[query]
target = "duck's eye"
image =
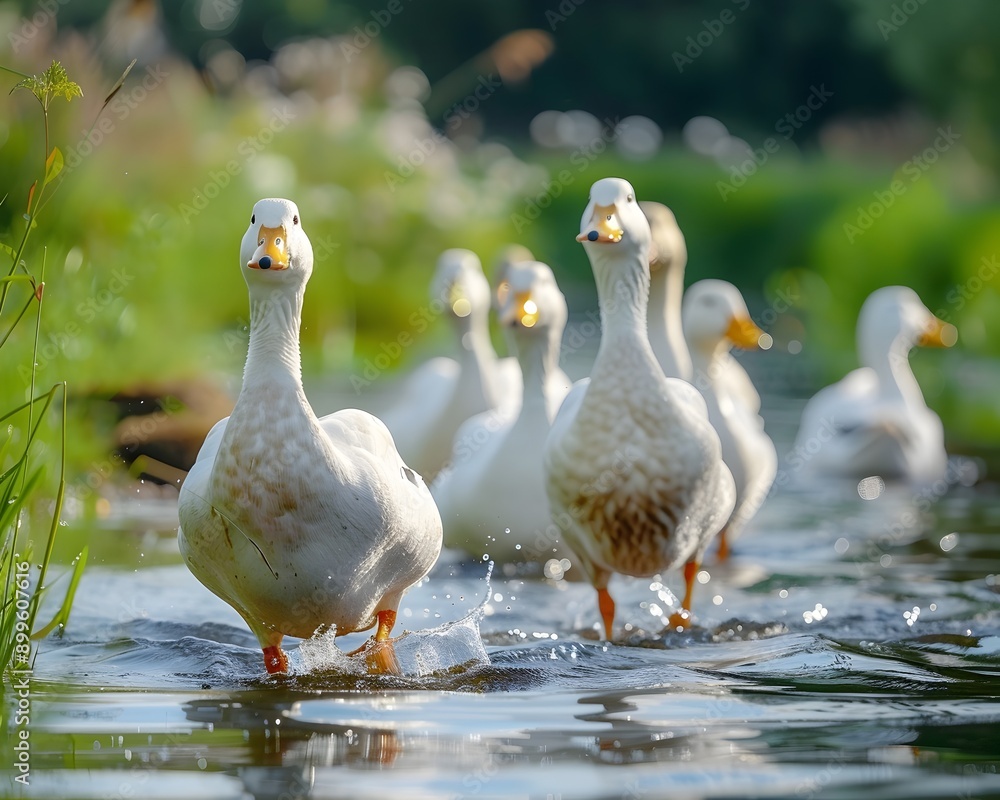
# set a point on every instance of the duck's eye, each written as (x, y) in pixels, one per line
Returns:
(260, 241)
(630, 198)
(609, 218)
(295, 220)
(277, 241)
(253, 218)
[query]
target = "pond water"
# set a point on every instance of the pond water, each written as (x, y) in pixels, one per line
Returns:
(850, 648)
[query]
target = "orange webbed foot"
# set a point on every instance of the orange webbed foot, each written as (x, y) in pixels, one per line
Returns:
(379, 652)
(681, 620)
(722, 554)
(380, 657)
(275, 660)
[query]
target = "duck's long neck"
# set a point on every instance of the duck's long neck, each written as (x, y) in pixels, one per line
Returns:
(666, 335)
(539, 358)
(273, 357)
(892, 367)
(623, 295)
(706, 360)
(477, 357)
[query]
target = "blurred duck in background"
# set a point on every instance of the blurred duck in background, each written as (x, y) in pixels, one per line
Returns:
(507, 257)
(633, 466)
(444, 392)
(874, 421)
(715, 318)
(668, 257)
(492, 494)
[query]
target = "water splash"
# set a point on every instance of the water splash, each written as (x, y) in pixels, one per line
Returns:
(457, 644)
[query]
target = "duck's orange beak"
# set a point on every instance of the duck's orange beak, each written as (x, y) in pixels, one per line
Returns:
(742, 332)
(272, 249)
(602, 227)
(522, 311)
(938, 334)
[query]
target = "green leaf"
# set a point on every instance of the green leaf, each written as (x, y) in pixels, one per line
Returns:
(53, 165)
(118, 84)
(54, 82)
(6, 248)
(62, 616)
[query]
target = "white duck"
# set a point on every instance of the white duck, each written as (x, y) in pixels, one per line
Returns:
(715, 318)
(442, 393)
(874, 421)
(492, 494)
(301, 523)
(668, 257)
(633, 466)
(508, 256)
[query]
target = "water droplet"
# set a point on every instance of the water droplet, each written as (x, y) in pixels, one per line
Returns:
(841, 546)
(949, 542)
(704, 577)
(783, 594)
(506, 530)
(885, 560)
(871, 487)
(717, 600)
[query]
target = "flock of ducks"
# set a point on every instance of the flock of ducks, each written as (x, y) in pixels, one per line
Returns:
(307, 524)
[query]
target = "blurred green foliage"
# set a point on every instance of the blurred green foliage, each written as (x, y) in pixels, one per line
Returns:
(143, 239)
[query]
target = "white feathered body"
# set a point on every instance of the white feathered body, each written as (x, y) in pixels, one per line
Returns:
(748, 451)
(855, 429)
(301, 523)
(634, 465)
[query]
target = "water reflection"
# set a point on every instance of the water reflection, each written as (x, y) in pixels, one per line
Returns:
(283, 750)
(757, 700)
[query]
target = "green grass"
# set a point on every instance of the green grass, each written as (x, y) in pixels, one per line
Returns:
(24, 510)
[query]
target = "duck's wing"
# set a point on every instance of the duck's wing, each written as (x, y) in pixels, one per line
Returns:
(367, 439)
(685, 393)
(210, 446)
(840, 407)
(569, 409)
(557, 386)
(193, 504)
